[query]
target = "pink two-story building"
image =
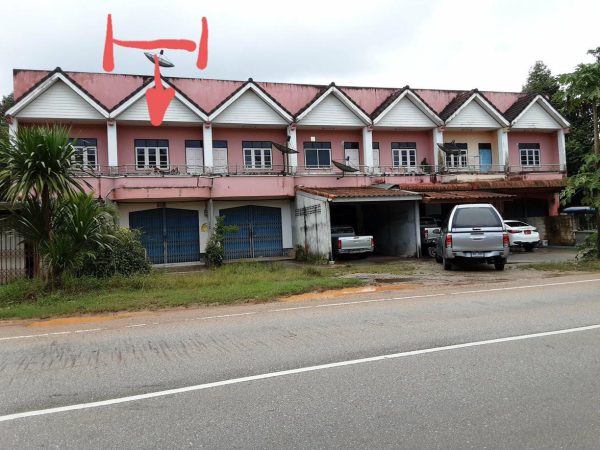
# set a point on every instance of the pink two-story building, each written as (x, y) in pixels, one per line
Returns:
(284, 161)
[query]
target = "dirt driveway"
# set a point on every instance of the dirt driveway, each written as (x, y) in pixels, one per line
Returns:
(428, 272)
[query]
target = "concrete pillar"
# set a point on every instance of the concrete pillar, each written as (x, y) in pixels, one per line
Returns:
(293, 144)
(438, 138)
(111, 141)
(367, 135)
(562, 151)
(13, 127)
(207, 142)
(503, 160)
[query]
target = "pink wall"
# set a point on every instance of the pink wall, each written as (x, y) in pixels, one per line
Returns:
(337, 139)
(424, 140)
(548, 146)
(235, 136)
(176, 136)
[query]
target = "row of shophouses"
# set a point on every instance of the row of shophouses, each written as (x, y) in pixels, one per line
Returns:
(284, 161)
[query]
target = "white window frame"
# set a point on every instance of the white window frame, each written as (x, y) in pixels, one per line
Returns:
(81, 156)
(460, 161)
(532, 154)
(318, 166)
(401, 157)
(159, 164)
(261, 153)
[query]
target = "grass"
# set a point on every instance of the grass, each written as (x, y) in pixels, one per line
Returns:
(232, 283)
(567, 266)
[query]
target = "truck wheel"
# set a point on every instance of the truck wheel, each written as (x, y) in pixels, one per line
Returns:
(447, 264)
(499, 264)
(438, 259)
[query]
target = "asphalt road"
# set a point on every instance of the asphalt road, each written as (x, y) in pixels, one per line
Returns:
(413, 368)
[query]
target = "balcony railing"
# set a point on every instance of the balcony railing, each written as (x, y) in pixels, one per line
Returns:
(233, 170)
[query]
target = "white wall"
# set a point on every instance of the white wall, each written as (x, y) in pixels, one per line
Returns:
(313, 231)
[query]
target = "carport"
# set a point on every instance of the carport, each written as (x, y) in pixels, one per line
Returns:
(440, 203)
(389, 214)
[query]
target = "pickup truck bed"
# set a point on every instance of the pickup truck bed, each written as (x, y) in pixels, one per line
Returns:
(344, 241)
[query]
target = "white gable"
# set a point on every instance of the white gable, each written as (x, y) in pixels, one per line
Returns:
(405, 114)
(59, 101)
(537, 117)
(249, 108)
(331, 111)
(473, 115)
(176, 112)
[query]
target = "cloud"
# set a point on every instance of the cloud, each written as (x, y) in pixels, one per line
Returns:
(436, 44)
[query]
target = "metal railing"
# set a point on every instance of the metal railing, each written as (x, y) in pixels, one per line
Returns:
(241, 169)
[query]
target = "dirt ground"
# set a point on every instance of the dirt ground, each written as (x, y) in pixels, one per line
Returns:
(427, 271)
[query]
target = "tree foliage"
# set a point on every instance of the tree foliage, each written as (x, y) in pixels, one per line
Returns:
(5, 104)
(541, 81)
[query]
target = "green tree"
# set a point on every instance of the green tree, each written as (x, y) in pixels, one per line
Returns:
(5, 104)
(36, 164)
(581, 91)
(541, 81)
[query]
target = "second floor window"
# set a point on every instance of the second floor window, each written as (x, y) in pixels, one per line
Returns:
(404, 154)
(317, 155)
(86, 153)
(530, 154)
(257, 154)
(151, 153)
(460, 160)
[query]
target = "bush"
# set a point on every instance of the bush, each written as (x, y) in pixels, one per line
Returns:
(125, 256)
(588, 249)
(215, 247)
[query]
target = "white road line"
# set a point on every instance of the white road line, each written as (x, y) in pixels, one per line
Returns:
(282, 373)
(57, 333)
(324, 305)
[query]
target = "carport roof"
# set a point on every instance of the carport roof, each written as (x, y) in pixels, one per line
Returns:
(552, 185)
(463, 196)
(361, 193)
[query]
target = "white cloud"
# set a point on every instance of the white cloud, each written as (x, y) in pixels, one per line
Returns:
(436, 44)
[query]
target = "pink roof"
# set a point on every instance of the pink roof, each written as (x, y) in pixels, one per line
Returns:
(111, 89)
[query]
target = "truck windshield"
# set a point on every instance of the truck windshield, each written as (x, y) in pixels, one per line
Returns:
(476, 218)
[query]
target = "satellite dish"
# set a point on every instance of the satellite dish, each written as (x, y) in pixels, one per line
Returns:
(450, 148)
(162, 60)
(344, 168)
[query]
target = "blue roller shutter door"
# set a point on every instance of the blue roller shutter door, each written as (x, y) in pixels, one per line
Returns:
(169, 235)
(259, 232)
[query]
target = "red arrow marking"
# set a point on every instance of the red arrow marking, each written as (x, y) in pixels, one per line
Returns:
(158, 98)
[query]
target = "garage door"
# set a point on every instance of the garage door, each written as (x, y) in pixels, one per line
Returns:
(169, 235)
(259, 232)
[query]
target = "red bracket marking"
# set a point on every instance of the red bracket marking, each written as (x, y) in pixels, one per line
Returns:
(158, 98)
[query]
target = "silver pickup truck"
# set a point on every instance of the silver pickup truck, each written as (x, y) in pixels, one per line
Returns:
(344, 241)
(473, 233)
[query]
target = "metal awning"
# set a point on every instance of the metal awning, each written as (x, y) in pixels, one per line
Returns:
(463, 196)
(361, 194)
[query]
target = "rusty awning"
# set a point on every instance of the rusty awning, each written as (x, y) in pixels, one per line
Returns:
(464, 196)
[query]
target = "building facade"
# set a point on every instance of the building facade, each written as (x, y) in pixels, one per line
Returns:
(283, 162)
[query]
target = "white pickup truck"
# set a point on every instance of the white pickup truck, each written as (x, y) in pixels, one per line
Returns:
(344, 241)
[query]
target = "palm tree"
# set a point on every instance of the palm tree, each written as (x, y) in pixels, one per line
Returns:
(52, 211)
(36, 164)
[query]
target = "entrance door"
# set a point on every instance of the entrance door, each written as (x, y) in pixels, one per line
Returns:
(376, 167)
(194, 160)
(259, 232)
(169, 235)
(351, 157)
(485, 157)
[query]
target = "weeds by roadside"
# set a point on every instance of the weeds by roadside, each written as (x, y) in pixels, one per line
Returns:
(567, 266)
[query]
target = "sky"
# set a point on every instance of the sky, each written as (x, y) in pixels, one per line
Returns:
(441, 44)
